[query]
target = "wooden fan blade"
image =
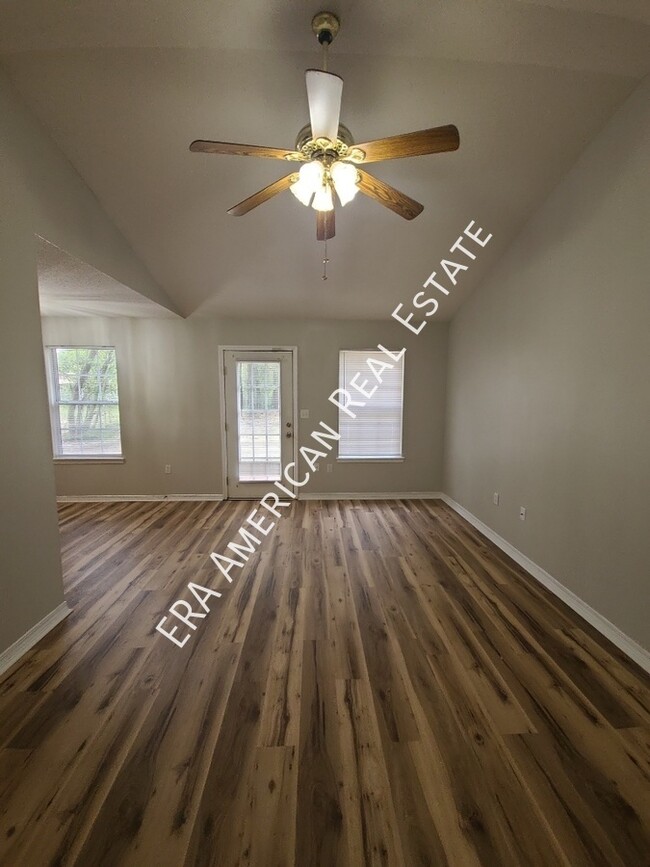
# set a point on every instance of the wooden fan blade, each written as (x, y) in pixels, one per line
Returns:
(243, 150)
(411, 144)
(262, 196)
(388, 196)
(325, 225)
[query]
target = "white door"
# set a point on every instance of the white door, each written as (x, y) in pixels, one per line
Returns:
(259, 419)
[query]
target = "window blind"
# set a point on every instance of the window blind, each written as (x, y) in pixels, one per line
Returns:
(376, 432)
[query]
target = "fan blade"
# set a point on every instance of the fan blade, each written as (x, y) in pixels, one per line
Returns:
(325, 225)
(324, 96)
(411, 144)
(243, 150)
(262, 196)
(388, 196)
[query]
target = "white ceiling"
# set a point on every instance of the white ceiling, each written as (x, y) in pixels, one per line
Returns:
(124, 90)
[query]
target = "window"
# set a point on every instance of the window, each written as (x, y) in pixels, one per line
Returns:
(258, 421)
(376, 432)
(83, 397)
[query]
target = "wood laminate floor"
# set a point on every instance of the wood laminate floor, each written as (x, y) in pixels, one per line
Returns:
(379, 686)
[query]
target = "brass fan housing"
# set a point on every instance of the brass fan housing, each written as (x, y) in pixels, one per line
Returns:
(343, 148)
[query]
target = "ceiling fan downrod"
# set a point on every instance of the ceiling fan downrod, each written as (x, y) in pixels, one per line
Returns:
(325, 26)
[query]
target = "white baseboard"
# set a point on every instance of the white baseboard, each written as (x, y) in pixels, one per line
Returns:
(130, 498)
(191, 498)
(13, 653)
(155, 498)
(630, 647)
(388, 495)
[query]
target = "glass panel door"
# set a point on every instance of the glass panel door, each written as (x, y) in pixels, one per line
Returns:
(259, 419)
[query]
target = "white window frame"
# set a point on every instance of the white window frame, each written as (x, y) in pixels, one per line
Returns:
(345, 418)
(52, 375)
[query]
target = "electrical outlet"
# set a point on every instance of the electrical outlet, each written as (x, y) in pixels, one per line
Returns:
(168, 468)
(495, 498)
(522, 513)
(329, 468)
(304, 413)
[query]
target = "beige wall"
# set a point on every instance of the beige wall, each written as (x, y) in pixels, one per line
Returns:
(30, 568)
(40, 194)
(549, 381)
(168, 380)
(62, 208)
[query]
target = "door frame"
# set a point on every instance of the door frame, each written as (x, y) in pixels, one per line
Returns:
(223, 348)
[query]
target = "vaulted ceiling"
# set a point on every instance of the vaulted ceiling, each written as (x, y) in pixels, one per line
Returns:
(124, 87)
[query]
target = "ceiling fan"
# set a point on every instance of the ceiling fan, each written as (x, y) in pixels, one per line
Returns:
(330, 160)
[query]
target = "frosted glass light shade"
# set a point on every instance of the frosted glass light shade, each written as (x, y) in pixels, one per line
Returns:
(344, 176)
(323, 200)
(312, 173)
(310, 179)
(303, 192)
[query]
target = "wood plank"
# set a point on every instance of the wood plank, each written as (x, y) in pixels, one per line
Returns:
(379, 685)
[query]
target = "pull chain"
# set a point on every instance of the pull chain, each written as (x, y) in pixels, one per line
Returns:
(325, 47)
(325, 261)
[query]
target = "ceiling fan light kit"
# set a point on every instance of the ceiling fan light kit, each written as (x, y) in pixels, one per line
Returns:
(330, 160)
(316, 181)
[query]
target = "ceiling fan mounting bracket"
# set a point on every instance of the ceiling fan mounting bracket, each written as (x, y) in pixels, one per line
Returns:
(325, 26)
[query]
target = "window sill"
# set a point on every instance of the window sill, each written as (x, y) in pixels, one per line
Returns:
(371, 460)
(89, 460)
